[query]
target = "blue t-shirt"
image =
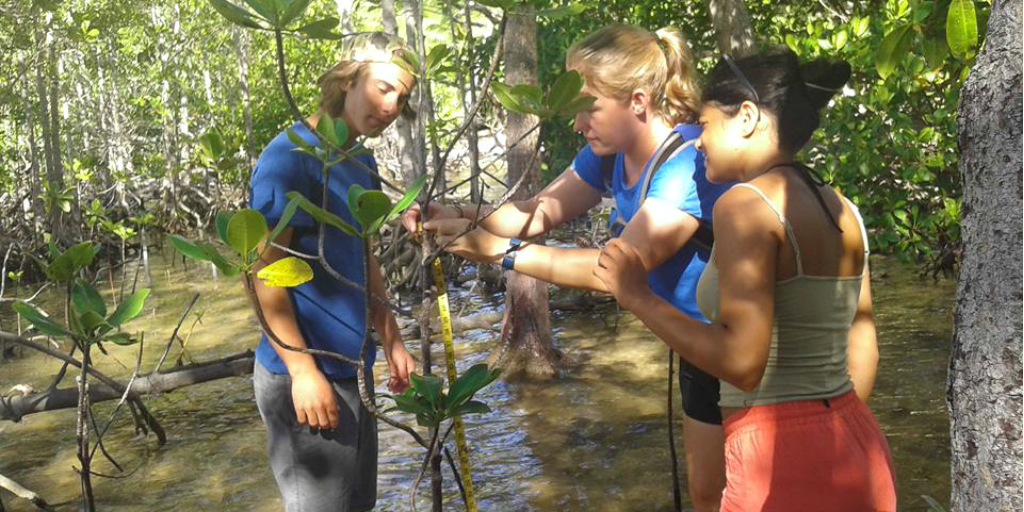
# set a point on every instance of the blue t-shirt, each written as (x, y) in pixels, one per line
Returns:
(681, 182)
(330, 315)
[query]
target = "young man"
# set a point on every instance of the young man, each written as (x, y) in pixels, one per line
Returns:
(322, 442)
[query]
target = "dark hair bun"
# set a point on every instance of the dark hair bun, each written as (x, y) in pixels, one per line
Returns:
(823, 79)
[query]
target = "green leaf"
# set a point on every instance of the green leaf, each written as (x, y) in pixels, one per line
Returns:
(64, 267)
(234, 14)
(214, 256)
(427, 421)
(529, 94)
(933, 506)
(860, 26)
(265, 8)
(212, 145)
(341, 131)
(85, 298)
(437, 56)
(39, 320)
(321, 29)
(294, 10)
(286, 217)
(411, 403)
(406, 201)
(562, 12)
(121, 338)
(296, 139)
(471, 407)
(503, 94)
(934, 51)
(565, 89)
(286, 272)
(246, 230)
(223, 218)
(473, 380)
(321, 215)
(962, 28)
(429, 387)
(188, 248)
(90, 320)
(368, 206)
(325, 127)
(129, 308)
(893, 49)
(577, 105)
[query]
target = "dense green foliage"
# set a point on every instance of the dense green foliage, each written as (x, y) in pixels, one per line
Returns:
(154, 112)
(888, 142)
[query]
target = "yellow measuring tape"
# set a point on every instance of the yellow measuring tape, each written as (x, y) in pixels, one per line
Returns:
(449, 356)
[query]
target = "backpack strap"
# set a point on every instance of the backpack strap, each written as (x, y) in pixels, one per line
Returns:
(704, 237)
(608, 171)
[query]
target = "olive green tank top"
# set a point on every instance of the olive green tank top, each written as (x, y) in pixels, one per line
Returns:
(813, 314)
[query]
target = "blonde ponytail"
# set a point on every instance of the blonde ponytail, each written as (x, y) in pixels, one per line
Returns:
(618, 59)
(682, 92)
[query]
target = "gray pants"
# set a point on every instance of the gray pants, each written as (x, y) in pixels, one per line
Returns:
(319, 470)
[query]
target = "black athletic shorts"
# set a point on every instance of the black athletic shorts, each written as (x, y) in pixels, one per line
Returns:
(700, 394)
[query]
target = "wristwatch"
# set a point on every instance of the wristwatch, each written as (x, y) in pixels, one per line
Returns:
(509, 261)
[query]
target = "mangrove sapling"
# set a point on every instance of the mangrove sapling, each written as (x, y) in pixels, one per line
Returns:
(87, 325)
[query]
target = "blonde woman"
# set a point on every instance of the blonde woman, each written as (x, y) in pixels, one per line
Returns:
(646, 103)
(322, 443)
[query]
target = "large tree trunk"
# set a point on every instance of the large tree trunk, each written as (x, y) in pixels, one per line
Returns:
(526, 337)
(985, 366)
(733, 34)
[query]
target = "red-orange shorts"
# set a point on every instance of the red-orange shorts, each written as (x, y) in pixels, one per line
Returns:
(811, 455)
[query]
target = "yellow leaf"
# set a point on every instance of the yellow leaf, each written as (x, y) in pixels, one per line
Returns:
(286, 272)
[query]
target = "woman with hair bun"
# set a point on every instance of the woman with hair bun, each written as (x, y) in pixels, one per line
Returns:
(647, 97)
(787, 289)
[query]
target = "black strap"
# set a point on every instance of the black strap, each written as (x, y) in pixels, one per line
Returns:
(608, 171)
(813, 181)
(704, 237)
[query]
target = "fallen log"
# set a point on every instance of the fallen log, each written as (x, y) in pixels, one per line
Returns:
(15, 407)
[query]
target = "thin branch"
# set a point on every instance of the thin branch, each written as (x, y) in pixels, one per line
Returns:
(25, 494)
(174, 335)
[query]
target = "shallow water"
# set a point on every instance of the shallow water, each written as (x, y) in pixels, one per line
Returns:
(592, 440)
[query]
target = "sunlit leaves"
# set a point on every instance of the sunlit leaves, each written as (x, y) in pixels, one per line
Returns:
(962, 29)
(39, 320)
(427, 400)
(245, 231)
(563, 99)
(321, 29)
(893, 50)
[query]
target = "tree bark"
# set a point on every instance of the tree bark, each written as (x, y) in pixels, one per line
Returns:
(35, 181)
(242, 47)
(406, 146)
(526, 337)
(984, 394)
(733, 34)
